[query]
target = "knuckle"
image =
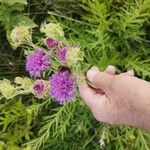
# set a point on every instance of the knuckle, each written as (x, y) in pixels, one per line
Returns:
(111, 82)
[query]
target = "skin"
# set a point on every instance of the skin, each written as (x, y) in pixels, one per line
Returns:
(117, 99)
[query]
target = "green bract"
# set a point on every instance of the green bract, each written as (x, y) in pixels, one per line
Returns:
(7, 90)
(52, 30)
(20, 35)
(74, 56)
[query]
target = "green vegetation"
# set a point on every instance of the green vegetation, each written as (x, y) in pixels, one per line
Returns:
(113, 32)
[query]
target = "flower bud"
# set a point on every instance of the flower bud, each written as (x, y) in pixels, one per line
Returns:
(40, 88)
(52, 30)
(50, 43)
(73, 56)
(7, 90)
(20, 35)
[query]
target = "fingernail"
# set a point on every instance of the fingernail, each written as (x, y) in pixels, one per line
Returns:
(94, 68)
(91, 73)
(131, 72)
(110, 69)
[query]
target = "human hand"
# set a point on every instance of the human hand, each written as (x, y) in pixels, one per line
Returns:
(117, 99)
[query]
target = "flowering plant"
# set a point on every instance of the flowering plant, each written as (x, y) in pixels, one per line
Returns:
(109, 32)
(52, 67)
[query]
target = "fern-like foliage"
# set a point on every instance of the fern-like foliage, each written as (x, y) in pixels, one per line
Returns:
(54, 125)
(15, 121)
(139, 64)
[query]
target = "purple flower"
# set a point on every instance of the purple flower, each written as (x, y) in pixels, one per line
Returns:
(62, 54)
(63, 86)
(40, 88)
(50, 43)
(37, 62)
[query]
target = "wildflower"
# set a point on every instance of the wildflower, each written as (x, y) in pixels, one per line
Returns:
(40, 88)
(20, 35)
(63, 86)
(37, 62)
(73, 56)
(52, 30)
(50, 43)
(24, 83)
(7, 90)
(62, 54)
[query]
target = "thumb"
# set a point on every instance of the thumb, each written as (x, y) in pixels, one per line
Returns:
(89, 95)
(99, 80)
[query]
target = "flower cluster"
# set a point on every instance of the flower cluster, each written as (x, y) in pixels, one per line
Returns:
(56, 62)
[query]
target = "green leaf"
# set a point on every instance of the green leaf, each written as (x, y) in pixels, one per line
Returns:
(15, 7)
(8, 12)
(16, 20)
(11, 2)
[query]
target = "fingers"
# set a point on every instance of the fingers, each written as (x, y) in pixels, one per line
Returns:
(110, 70)
(129, 73)
(100, 80)
(95, 99)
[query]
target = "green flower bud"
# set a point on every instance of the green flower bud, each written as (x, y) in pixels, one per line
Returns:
(52, 30)
(7, 90)
(73, 56)
(20, 35)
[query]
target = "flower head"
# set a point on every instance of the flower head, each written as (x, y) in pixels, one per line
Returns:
(7, 89)
(63, 86)
(20, 35)
(55, 31)
(50, 43)
(62, 54)
(37, 62)
(40, 88)
(73, 56)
